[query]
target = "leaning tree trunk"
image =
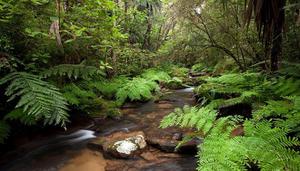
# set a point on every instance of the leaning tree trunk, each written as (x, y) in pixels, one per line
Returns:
(276, 51)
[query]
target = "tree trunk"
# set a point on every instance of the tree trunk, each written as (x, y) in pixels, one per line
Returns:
(276, 51)
(146, 44)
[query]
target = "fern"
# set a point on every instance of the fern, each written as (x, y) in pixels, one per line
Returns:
(191, 117)
(234, 88)
(73, 71)
(270, 147)
(284, 113)
(4, 131)
(267, 147)
(38, 98)
(245, 79)
(76, 95)
(108, 88)
(199, 67)
(286, 87)
(136, 89)
(156, 75)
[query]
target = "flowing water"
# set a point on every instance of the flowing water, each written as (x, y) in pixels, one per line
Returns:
(70, 152)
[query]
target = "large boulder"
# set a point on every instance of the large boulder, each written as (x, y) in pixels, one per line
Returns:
(121, 144)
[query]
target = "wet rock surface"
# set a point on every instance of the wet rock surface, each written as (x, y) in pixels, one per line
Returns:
(168, 139)
(120, 144)
(154, 160)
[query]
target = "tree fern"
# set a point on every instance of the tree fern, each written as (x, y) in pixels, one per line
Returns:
(136, 89)
(73, 71)
(38, 98)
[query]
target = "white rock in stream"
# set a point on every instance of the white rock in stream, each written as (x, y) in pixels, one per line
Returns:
(125, 146)
(130, 145)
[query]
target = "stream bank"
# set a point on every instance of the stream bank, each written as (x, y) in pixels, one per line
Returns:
(73, 152)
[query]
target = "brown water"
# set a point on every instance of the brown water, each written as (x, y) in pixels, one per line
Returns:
(70, 152)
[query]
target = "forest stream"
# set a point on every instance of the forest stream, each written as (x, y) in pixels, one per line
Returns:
(73, 152)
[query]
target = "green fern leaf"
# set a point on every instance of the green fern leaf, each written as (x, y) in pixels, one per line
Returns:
(38, 98)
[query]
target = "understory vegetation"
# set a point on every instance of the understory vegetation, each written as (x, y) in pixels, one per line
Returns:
(64, 57)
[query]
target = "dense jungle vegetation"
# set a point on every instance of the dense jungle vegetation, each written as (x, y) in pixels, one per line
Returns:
(64, 57)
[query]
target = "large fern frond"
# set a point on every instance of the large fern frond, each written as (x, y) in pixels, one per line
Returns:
(191, 117)
(37, 97)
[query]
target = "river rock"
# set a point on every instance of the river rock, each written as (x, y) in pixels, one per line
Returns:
(167, 141)
(121, 144)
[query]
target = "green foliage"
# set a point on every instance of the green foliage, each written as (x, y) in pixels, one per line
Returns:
(76, 95)
(136, 89)
(103, 108)
(73, 71)
(262, 145)
(236, 79)
(109, 87)
(283, 113)
(286, 86)
(177, 71)
(198, 67)
(267, 147)
(233, 89)
(191, 117)
(38, 98)
(156, 75)
(266, 141)
(4, 131)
